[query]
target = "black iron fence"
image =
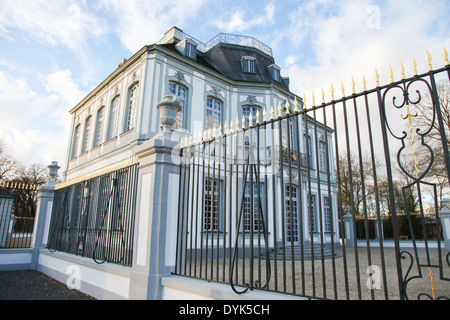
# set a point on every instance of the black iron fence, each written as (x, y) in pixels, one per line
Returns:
(17, 213)
(95, 217)
(262, 200)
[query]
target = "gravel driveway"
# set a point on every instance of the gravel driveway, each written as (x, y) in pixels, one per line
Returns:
(34, 285)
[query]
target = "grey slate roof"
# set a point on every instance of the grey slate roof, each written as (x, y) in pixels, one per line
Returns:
(226, 59)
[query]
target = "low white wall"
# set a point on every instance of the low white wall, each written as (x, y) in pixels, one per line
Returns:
(15, 259)
(101, 281)
(183, 288)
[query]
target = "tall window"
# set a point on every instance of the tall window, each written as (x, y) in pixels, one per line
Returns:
(327, 212)
(291, 218)
(248, 212)
(213, 113)
(132, 107)
(99, 126)
(76, 141)
(113, 118)
(181, 92)
(86, 135)
(247, 111)
(310, 150)
(212, 202)
(312, 214)
(322, 156)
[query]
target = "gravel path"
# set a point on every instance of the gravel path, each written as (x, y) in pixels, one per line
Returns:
(34, 285)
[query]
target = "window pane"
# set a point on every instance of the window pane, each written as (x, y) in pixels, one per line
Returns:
(213, 113)
(132, 108)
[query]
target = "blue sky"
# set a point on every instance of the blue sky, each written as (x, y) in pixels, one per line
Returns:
(54, 52)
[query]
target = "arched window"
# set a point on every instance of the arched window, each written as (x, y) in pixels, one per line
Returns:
(99, 126)
(213, 113)
(181, 93)
(86, 135)
(76, 141)
(322, 156)
(247, 111)
(132, 107)
(113, 118)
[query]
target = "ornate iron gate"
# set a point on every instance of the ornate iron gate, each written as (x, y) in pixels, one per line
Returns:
(378, 158)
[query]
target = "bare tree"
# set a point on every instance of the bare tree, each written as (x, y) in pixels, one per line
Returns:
(427, 119)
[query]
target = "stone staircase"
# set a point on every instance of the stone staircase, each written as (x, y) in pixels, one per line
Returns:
(308, 253)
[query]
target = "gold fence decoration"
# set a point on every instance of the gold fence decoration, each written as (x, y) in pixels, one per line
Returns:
(233, 128)
(18, 185)
(100, 172)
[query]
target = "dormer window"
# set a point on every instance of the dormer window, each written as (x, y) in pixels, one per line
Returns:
(274, 71)
(188, 48)
(248, 64)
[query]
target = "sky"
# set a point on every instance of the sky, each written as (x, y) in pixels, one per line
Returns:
(54, 52)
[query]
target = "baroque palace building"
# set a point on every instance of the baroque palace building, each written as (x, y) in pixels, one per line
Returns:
(229, 77)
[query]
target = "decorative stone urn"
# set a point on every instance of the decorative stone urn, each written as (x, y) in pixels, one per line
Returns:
(168, 109)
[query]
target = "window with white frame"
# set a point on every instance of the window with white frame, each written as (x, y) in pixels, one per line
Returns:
(248, 64)
(322, 156)
(212, 203)
(291, 217)
(312, 225)
(76, 141)
(86, 135)
(99, 126)
(248, 206)
(327, 212)
(247, 111)
(114, 118)
(213, 113)
(181, 93)
(191, 50)
(132, 107)
(309, 149)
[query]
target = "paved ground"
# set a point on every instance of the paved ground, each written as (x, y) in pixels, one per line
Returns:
(34, 285)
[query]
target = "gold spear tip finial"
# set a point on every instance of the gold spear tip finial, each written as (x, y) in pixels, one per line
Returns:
(332, 92)
(402, 70)
(243, 121)
(313, 100)
(304, 101)
(353, 86)
(428, 59)
(342, 89)
(377, 77)
(295, 104)
(364, 83)
(323, 96)
(287, 106)
(271, 113)
(279, 109)
(414, 65)
(264, 115)
(391, 73)
(445, 56)
(258, 114)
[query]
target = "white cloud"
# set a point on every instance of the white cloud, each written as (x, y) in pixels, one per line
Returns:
(236, 21)
(140, 22)
(49, 22)
(35, 127)
(346, 41)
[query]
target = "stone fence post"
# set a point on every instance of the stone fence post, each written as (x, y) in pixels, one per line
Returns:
(156, 207)
(43, 216)
(348, 228)
(445, 222)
